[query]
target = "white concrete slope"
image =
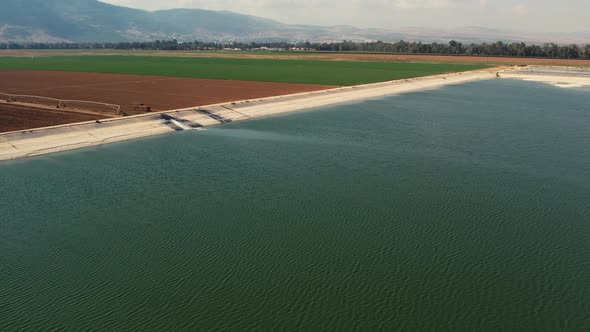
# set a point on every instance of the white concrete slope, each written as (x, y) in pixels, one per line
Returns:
(563, 77)
(27, 143)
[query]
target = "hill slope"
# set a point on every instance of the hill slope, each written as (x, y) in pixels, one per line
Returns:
(92, 20)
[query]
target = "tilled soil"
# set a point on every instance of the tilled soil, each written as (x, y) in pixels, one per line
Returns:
(16, 117)
(159, 93)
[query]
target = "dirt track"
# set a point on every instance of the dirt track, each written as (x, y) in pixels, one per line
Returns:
(16, 117)
(161, 93)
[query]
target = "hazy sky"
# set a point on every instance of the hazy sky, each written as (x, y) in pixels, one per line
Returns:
(521, 15)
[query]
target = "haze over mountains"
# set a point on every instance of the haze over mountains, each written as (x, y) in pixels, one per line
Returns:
(94, 21)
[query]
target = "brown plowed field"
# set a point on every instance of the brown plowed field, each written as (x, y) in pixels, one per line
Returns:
(160, 93)
(16, 117)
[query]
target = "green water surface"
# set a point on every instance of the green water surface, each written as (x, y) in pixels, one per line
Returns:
(460, 209)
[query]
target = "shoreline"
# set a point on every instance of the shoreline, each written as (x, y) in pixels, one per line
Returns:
(27, 143)
(562, 77)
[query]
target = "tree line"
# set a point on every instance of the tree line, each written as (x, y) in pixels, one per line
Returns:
(500, 49)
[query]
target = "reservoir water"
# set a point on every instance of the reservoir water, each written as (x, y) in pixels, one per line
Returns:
(463, 208)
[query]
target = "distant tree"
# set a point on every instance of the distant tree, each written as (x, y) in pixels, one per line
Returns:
(550, 50)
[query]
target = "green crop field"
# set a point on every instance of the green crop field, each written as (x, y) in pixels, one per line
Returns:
(266, 70)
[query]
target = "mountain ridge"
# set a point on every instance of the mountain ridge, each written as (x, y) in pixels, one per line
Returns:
(95, 21)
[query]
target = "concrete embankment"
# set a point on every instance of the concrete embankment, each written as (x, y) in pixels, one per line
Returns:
(564, 77)
(67, 137)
